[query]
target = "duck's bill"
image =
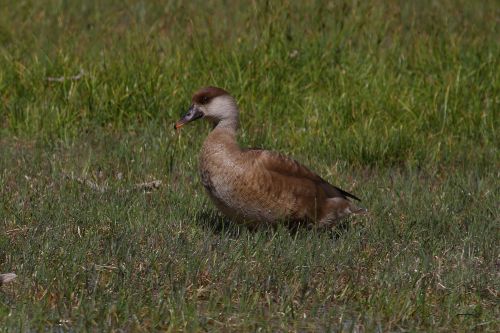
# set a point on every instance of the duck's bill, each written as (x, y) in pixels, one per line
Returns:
(192, 114)
(180, 123)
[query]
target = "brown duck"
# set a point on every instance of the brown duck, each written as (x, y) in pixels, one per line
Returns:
(255, 186)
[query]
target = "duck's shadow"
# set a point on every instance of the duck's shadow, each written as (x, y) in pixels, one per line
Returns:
(218, 224)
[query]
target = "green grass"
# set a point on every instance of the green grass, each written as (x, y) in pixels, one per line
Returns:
(397, 101)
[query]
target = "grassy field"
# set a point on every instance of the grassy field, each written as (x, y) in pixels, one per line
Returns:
(398, 102)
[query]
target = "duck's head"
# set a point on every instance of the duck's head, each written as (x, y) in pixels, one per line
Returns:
(214, 104)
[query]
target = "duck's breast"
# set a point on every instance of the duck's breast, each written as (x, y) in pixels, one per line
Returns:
(237, 188)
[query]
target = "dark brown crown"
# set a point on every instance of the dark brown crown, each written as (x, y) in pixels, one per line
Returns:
(205, 95)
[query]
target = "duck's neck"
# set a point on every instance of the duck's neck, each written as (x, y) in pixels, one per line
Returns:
(223, 135)
(230, 124)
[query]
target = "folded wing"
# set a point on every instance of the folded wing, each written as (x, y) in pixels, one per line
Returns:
(288, 167)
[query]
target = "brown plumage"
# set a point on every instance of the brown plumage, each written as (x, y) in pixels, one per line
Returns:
(258, 186)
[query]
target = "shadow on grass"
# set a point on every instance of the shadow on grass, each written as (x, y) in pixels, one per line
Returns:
(219, 224)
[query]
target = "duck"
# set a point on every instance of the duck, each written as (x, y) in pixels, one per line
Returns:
(253, 186)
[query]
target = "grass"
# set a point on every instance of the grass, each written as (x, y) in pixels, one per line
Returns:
(398, 102)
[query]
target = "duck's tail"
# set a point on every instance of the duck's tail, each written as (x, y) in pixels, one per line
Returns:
(339, 208)
(357, 209)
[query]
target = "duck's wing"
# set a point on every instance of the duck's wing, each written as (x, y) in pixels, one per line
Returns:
(286, 166)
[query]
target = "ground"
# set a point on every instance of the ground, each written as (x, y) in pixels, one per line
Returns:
(105, 222)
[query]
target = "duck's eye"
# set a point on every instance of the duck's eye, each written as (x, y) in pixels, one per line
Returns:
(204, 100)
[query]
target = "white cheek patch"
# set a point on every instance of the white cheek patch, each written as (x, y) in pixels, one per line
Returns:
(221, 107)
